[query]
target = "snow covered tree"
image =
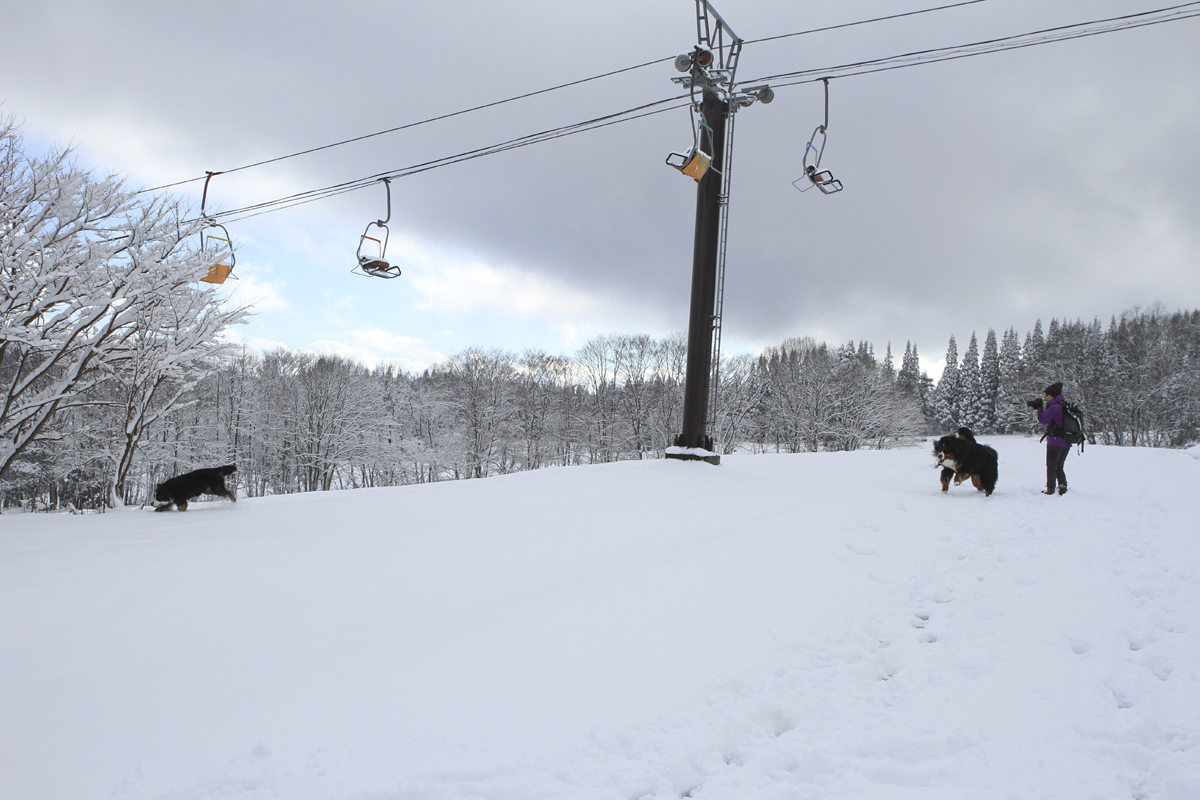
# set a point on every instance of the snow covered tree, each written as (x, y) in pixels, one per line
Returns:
(537, 407)
(670, 367)
(597, 360)
(947, 395)
(633, 364)
(1011, 412)
(479, 389)
(174, 344)
(98, 286)
(1034, 345)
(335, 415)
(989, 375)
(909, 376)
(970, 388)
(738, 396)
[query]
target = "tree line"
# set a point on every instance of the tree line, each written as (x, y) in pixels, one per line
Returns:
(1137, 378)
(116, 372)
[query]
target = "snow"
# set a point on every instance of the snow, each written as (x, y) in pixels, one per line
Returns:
(779, 626)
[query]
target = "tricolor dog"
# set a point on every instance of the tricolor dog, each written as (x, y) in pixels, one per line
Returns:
(176, 492)
(961, 457)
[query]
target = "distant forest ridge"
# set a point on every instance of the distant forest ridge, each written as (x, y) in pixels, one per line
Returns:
(296, 422)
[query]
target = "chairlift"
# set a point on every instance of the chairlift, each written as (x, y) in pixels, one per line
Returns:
(371, 257)
(813, 174)
(696, 163)
(222, 267)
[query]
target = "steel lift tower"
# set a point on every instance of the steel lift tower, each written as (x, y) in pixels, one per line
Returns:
(711, 68)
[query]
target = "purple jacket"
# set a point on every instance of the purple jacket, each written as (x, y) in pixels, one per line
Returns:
(1052, 417)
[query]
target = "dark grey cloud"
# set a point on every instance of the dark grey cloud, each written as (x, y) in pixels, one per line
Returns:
(1053, 181)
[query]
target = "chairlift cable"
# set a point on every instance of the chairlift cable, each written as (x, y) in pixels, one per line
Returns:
(957, 56)
(535, 93)
(408, 125)
(861, 22)
(901, 61)
(330, 191)
(300, 198)
(1060, 33)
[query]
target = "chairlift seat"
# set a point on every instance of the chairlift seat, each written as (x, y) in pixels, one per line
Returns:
(695, 164)
(378, 267)
(825, 181)
(218, 273)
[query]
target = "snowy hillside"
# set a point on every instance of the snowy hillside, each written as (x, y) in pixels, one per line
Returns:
(792, 626)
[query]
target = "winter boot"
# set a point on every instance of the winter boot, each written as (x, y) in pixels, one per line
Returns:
(1062, 490)
(1050, 490)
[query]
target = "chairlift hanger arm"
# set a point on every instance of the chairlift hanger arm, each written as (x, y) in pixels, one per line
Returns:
(387, 183)
(204, 197)
(821, 131)
(826, 82)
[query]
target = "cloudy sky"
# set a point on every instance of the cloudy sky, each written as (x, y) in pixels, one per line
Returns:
(986, 192)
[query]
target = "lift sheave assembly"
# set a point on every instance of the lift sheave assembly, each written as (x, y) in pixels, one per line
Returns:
(696, 162)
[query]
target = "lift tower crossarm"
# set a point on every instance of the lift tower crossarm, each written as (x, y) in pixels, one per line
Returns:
(704, 34)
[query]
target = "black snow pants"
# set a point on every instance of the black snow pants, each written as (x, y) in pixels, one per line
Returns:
(1056, 457)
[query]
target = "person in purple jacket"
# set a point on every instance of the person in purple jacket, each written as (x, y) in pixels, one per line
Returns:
(1050, 414)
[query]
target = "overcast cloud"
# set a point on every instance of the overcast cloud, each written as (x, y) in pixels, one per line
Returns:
(1052, 181)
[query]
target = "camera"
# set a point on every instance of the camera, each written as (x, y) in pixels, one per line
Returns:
(1035, 403)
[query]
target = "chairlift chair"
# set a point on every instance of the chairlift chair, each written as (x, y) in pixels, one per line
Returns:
(813, 174)
(218, 271)
(822, 179)
(371, 257)
(695, 163)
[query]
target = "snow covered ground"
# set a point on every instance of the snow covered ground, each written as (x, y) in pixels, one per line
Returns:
(793, 626)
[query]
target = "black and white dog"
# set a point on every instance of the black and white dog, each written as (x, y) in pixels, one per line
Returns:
(177, 491)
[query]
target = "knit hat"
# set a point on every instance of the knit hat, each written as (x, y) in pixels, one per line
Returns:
(1054, 389)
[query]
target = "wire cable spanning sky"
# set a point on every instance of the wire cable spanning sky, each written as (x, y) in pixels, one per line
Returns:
(523, 141)
(901, 61)
(547, 90)
(1032, 39)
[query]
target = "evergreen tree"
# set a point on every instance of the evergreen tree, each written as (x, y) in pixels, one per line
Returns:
(989, 369)
(1011, 413)
(946, 398)
(971, 389)
(910, 370)
(1034, 345)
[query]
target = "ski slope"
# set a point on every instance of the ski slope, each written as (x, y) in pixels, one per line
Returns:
(782, 626)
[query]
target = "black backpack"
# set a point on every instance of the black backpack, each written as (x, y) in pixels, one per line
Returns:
(1072, 430)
